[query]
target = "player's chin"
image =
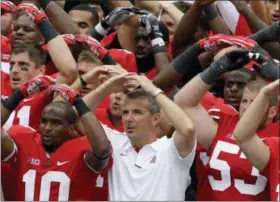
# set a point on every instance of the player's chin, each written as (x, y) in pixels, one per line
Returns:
(47, 141)
(233, 102)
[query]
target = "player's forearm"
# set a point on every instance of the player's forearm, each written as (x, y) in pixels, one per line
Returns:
(66, 65)
(7, 145)
(161, 61)
(186, 63)
(77, 85)
(8, 105)
(176, 116)
(151, 6)
(254, 22)
(216, 22)
(184, 36)
(5, 113)
(250, 120)
(259, 9)
(94, 98)
(174, 12)
(96, 135)
(192, 93)
(60, 19)
(167, 78)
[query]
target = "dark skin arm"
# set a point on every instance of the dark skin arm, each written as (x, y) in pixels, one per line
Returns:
(7, 145)
(218, 25)
(5, 113)
(161, 61)
(60, 19)
(184, 36)
(97, 138)
(167, 78)
(254, 22)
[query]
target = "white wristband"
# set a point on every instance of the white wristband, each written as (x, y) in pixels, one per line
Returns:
(158, 41)
(157, 92)
(101, 29)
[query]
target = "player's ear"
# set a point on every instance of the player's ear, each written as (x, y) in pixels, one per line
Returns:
(272, 112)
(72, 131)
(42, 69)
(156, 119)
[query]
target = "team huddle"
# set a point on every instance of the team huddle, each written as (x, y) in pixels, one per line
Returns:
(140, 100)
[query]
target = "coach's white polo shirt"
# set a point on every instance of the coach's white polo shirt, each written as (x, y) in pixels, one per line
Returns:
(157, 172)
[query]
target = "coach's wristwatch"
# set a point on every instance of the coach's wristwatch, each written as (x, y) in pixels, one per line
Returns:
(157, 92)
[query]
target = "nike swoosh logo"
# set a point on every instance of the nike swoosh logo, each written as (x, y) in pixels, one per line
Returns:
(27, 99)
(61, 163)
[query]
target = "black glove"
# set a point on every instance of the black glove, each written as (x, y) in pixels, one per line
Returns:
(229, 62)
(151, 24)
(115, 17)
(267, 68)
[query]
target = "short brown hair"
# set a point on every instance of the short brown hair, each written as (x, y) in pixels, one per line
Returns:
(88, 56)
(140, 93)
(257, 85)
(35, 52)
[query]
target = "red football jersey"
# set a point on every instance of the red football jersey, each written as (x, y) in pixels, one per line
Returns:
(102, 115)
(242, 28)
(63, 176)
(29, 111)
(6, 89)
(215, 106)
(8, 181)
(227, 174)
(209, 100)
(271, 171)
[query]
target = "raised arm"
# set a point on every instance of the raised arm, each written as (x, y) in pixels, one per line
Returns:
(115, 18)
(99, 154)
(7, 145)
(259, 8)
(114, 84)
(31, 87)
(267, 36)
(66, 65)
(184, 36)
(34, 86)
(216, 22)
(58, 17)
(156, 7)
(189, 97)
(253, 20)
(188, 63)
(245, 132)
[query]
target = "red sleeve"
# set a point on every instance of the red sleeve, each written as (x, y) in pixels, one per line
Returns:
(125, 58)
(273, 144)
(6, 89)
(209, 100)
(242, 28)
(105, 103)
(108, 39)
(20, 136)
(101, 115)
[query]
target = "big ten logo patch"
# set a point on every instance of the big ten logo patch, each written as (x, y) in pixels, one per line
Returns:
(33, 161)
